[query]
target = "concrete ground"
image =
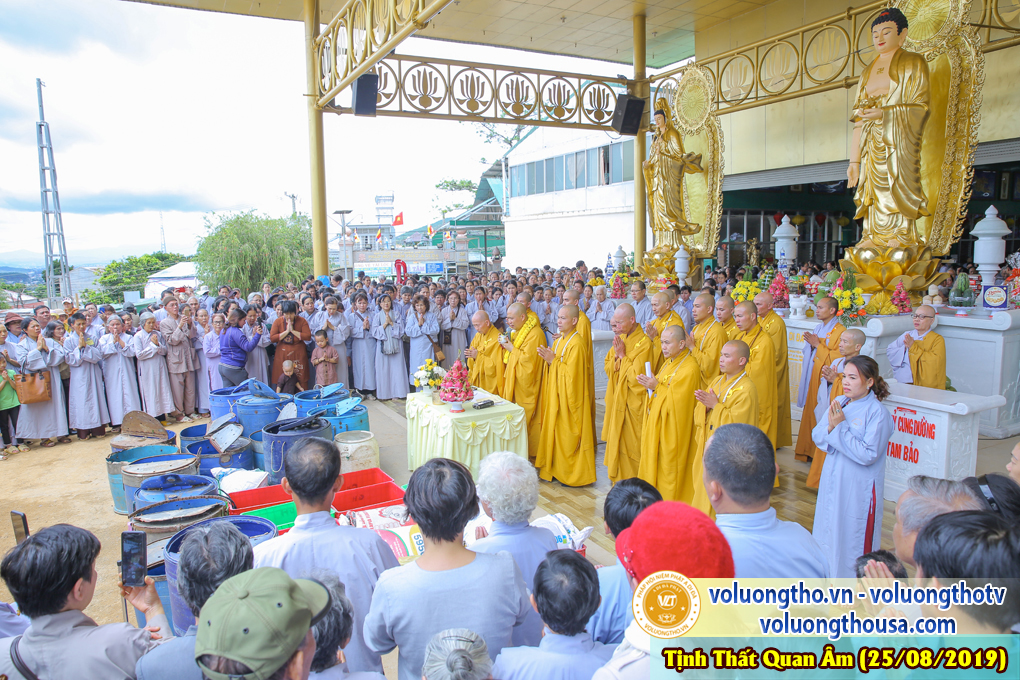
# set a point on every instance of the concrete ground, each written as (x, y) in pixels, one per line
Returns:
(68, 483)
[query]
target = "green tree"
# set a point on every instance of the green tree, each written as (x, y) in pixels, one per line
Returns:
(463, 189)
(128, 274)
(243, 250)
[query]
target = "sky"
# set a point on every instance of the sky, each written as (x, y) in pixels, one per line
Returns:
(155, 109)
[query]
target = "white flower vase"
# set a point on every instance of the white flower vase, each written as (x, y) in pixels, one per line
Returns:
(456, 407)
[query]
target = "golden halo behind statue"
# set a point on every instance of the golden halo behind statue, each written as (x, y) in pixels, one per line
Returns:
(693, 99)
(932, 22)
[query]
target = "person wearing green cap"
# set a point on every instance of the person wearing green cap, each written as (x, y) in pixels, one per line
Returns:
(258, 626)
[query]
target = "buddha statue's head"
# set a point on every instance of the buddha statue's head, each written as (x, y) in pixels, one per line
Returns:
(889, 30)
(661, 114)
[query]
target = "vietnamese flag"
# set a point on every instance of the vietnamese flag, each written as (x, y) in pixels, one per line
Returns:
(398, 221)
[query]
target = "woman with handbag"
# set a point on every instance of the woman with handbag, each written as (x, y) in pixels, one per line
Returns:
(42, 414)
(454, 322)
(389, 353)
(422, 326)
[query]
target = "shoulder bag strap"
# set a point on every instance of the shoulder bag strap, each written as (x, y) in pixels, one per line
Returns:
(19, 663)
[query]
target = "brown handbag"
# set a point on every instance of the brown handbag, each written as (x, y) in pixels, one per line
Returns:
(438, 351)
(33, 388)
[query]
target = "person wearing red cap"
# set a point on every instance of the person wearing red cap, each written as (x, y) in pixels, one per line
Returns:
(698, 550)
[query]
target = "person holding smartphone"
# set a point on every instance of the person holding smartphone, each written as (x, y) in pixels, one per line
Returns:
(52, 576)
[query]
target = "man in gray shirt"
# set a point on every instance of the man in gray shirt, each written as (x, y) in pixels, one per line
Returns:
(52, 576)
(210, 555)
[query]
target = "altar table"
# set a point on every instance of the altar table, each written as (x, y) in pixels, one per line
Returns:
(468, 437)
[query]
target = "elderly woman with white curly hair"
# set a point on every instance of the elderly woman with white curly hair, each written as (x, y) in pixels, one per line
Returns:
(600, 310)
(508, 489)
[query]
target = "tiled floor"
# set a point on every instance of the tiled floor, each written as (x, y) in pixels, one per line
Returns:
(792, 499)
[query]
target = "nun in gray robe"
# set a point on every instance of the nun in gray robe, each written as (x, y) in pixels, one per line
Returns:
(87, 391)
(337, 330)
(44, 419)
(201, 369)
(119, 375)
(390, 369)
(153, 376)
(422, 334)
(454, 322)
(362, 346)
(257, 363)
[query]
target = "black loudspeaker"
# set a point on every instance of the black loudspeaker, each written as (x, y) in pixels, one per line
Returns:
(363, 94)
(627, 115)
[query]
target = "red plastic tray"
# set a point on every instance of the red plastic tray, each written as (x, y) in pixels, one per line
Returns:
(266, 496)
(375, 496)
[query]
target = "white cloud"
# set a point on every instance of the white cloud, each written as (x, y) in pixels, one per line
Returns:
(153, 107)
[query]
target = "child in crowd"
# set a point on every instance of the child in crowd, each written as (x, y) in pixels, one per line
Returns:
(324, 359)
(289, 382)
(9, 406)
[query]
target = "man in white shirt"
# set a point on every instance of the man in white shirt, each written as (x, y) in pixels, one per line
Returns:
(740, 470)
(356, 556)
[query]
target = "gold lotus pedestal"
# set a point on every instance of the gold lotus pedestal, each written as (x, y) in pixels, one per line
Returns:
(880, 269)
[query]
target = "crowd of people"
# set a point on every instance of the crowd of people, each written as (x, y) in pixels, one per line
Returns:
(697, 405)
(325, 601)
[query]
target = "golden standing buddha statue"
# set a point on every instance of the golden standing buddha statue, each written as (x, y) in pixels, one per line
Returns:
(664, 175)
(890, 111)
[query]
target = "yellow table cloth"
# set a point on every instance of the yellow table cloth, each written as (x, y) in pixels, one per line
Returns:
(468, 437)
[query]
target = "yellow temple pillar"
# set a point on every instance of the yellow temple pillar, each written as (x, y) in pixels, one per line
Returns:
(316, 150)
(639, 143)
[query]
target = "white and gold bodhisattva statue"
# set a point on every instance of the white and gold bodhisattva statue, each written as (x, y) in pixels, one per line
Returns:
(664, 175)
(889, 116)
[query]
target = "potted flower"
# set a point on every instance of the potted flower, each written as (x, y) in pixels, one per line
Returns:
(428, 379)
(456, 388)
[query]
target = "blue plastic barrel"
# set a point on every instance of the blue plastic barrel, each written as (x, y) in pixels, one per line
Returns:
(282, 434)
(117, 460)
(355, 419)
(238, 455)
(158, 574)
(133, 474)
(258, 449)
(190, 435)
(254, 413)
(222, 401)
(257, 529)
(173, 486)
(311, 400)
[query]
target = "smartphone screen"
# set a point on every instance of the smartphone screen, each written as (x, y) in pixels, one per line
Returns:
(134, 558)
(20, 523)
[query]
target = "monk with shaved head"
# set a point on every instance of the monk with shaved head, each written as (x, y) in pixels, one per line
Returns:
(919, 356)
(572, 297)
(776, 328)
(625, 396)
(761, 366)
(566, 448)
(724, 314)
(664, 316)
(667, 435)
(707, 338)
(731, 398)
(850, 344)
(821, 348)
(485, 356)
(522, 367)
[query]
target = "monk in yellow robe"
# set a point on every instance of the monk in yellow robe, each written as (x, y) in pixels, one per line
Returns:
(776, 328)
(566, 448)
(667, 435)
(664, 317)
(571, 297)
(919, 356)
(761, 367)
(823, 344)
(724, 314)
(831, 386)
(731, 398)
(485, 356)
(625, 397)
(706, 339)
(522, 368)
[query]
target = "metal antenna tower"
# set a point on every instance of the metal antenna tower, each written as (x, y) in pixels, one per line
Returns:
(162, 234)
(57, 284)
(293, 202)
